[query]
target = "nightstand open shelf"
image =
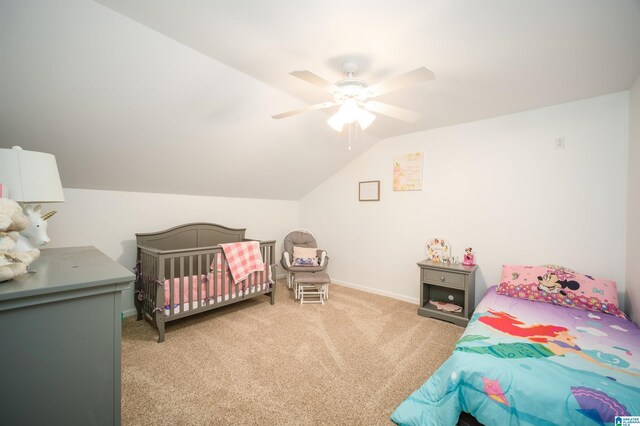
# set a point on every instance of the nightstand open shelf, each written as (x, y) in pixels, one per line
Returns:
(444, 282)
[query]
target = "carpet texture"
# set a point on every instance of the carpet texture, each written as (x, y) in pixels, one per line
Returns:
(350, 361)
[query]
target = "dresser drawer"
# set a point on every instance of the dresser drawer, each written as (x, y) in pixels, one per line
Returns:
(449, 279)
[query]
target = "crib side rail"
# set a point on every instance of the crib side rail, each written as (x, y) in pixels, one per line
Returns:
(196, 279)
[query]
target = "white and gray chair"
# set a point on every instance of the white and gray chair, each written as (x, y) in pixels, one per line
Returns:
(301, 238)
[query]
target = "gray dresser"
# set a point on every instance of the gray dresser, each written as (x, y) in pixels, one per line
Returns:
(60, 340)
(445, 282)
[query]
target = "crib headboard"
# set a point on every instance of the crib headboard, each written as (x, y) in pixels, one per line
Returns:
(191, 235)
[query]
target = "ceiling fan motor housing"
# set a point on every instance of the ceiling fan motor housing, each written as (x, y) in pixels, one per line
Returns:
(352, 88)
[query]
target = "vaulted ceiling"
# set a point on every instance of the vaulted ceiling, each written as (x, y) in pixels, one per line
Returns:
(176, 97)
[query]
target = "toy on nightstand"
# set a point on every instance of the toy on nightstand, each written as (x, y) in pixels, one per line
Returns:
(468, 257)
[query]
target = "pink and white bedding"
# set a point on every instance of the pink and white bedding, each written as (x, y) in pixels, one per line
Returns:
(212, 299)
(217, 291)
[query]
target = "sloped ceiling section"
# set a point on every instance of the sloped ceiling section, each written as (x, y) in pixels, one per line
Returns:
(126, 108)
(490, 57)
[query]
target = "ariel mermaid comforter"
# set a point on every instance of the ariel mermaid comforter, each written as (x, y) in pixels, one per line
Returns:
(523, 362)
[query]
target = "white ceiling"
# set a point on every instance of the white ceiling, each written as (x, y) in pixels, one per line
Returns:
(182, 103)
(490, 57)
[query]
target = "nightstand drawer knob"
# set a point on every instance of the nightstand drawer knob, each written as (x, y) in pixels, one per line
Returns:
(442, 279)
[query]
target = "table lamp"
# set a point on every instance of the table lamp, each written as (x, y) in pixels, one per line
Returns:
(30, 177)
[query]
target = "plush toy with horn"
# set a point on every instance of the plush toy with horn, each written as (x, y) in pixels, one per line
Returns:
(35, 235)
(12, 222)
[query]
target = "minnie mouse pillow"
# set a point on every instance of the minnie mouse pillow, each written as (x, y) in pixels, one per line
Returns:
(561, 286)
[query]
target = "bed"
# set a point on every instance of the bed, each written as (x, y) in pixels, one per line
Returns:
(522, 362)
(184, 271)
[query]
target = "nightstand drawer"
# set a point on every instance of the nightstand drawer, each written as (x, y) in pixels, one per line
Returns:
(443, 278)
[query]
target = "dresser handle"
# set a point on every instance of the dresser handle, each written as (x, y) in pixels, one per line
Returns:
(442, 279)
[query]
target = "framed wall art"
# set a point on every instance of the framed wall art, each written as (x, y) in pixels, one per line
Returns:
(407, 172)
(369, 190)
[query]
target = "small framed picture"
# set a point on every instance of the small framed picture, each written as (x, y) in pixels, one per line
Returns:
(369, 190)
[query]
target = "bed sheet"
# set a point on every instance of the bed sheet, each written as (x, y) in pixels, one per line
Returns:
(254, 282)
(213, 300)
(528, 363)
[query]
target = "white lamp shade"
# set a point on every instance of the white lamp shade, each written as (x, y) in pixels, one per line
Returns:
(365, 118)
(336, 122)
(349, 110)
(29, 176)
(348, 113)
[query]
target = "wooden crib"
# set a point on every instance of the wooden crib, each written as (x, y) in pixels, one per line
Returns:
(182, 271)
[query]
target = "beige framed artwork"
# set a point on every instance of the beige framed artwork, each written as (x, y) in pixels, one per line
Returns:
(369, 190)
(407, 172)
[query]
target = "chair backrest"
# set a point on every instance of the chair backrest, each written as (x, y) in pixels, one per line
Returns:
(299, 238)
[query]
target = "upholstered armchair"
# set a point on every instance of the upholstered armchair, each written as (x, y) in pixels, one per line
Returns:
(296, 256)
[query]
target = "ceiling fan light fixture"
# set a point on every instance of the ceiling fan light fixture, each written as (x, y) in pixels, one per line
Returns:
(354, 97)
(365, 118)
(349, 111)
(336, 122)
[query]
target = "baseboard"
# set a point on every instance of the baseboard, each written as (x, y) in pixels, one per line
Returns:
(413, 300)
(129, 312)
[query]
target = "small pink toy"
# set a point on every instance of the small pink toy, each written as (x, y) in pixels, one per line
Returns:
(468, 257)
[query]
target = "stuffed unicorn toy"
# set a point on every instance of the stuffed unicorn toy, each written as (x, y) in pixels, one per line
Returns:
(12, 221)
(35, 233)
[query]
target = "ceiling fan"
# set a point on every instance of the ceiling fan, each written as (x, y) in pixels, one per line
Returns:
(354, 97)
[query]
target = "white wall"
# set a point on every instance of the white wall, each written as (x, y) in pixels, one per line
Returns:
(109, 220)
(497, 185)
(633, 205)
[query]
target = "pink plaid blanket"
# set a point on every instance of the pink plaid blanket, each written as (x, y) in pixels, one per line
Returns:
(243, 258)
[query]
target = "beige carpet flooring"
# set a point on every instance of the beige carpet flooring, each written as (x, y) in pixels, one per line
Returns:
(350, 361)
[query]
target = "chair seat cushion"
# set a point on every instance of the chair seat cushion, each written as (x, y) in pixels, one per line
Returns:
(312, 278)
(299, 269)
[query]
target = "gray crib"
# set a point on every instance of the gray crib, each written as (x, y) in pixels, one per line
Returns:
(183, 261)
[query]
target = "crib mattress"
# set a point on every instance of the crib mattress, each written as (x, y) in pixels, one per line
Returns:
(221, 289)
(213, 300)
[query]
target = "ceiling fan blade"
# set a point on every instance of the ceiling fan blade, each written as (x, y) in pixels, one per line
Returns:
(305, 109)
(393, 111)
(316, 80)
(412, 78)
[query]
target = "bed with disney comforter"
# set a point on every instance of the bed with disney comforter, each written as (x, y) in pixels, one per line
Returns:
(521, 362)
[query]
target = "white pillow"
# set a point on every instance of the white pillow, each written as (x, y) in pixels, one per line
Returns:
(304, 252)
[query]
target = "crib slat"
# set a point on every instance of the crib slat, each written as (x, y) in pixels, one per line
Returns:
(182, 297)
(230, 287)
(151, 291)
(150, 296)
(171, 283)
(263, 253)
(223, 274)
(212, 274)
(156, 275)
(200, 281)
(143, 277)
(143, 271)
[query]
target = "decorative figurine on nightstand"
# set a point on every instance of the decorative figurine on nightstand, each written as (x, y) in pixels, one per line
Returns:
(468, 257)
(439, 250)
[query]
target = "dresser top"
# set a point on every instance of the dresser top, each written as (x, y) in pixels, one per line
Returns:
(66, 269)
(451, 267)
